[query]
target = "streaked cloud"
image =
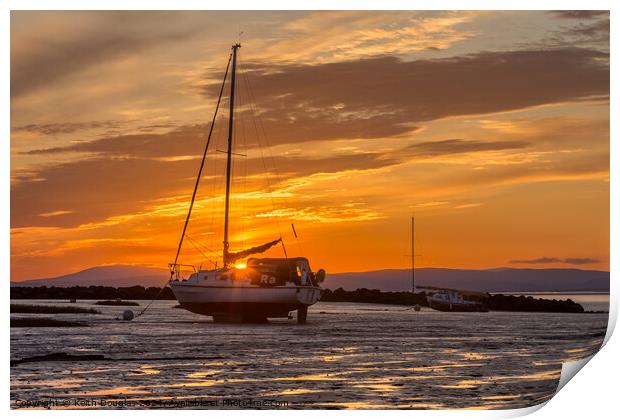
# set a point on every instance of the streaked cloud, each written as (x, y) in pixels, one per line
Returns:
(468, 205)
(432, 204)
(456, 146)
(580, 14)
(65, 128)
(55, 213)
(367, 106)
(325, 214)
(77, 40)
(321, 37)
(541, 260)
(551, 260)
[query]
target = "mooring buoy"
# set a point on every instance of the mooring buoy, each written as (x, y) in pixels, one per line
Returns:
(127, 315)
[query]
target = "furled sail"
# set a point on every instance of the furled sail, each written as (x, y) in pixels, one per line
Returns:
(231, 257)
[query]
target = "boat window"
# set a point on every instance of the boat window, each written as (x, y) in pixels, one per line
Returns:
(223, 277)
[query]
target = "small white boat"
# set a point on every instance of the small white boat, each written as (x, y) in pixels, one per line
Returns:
(250, 292)
(454, 301)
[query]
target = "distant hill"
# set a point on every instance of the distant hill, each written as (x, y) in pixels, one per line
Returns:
(112, 275)
(494, 280)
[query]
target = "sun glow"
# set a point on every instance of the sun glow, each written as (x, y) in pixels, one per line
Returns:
(241, 266)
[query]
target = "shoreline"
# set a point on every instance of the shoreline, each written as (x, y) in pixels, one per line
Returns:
(515, 301)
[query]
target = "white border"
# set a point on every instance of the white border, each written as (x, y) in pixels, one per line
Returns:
(592, 395)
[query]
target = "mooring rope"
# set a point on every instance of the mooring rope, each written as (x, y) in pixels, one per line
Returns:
(154, 299)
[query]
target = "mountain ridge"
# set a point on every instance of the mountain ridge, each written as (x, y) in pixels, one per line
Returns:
(491, 280)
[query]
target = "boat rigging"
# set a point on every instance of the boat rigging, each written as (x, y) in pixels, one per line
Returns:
(266, 287)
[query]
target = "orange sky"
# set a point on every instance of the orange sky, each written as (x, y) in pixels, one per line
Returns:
(491, 127)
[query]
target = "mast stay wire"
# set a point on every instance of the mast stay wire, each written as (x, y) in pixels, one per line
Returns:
(173, 268)
(202, 245)
(279, 180)
(211, 190)
(239, 130)
(242, 151)
(219, 182)
(216, 185)
(207, 255)
(244, 167)
(270, 189)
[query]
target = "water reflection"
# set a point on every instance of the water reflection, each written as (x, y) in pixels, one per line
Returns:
(360, 358)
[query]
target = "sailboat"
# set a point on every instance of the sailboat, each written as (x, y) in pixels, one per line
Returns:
(261, 288)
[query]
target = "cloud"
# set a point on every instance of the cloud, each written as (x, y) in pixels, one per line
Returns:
(381, 98)
(325, 214)
(550, 260)
(180, 141)
(65, 128)
(65, 43)
(327, 36)
(93, 189)
(348, 101)
(455, 146)
(187, 142)
(542, 260)
(127, 171)
(386, 96)
(115, 105)
(580, 14)
(432, 204)
(588, 29)
(124, 173)
(593, 32)
(101, 187)
(580, 261)
(468, 205)
(55, 213)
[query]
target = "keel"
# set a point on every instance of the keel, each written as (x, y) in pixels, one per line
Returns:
(302, 315)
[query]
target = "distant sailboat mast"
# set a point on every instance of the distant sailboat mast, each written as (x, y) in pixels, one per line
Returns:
(412, 254)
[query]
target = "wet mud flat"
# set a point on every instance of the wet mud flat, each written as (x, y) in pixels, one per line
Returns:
(349, 355)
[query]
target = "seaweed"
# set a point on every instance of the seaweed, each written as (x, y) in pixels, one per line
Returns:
(44, 309)
(43, 322)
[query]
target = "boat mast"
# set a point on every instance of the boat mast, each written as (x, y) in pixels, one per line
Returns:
(412, 254)
(229, 153)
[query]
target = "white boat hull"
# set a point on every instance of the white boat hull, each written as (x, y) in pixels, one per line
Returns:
(206, 293)
(258, 292)
(295, 295)
(251, 301)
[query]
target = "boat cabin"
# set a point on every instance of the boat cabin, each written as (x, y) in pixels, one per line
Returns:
(264, 272)
(279, 271)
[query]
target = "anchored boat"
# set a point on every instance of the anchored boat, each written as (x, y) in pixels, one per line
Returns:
(262, 287)
(454, 301)
(445, 300)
